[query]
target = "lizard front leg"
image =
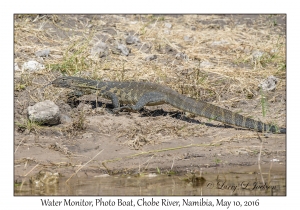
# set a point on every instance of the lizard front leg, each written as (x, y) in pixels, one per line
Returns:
(146, 99)
(114, 99)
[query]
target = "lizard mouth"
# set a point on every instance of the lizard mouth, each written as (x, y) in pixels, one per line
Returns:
(55, 83)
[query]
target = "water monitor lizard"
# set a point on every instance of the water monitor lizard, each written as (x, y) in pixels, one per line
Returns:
(145, 93)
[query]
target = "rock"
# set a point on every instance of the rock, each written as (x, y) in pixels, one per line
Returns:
(219, 43)
(32, 66)
(213, 26)
(269, 84)
(102, 175)
(151, 57)
(17, 67)
(45, 178)
(87, 135)
(133, 22)
(256, 55)
(187, 38)
(274, 51)
(181, 55)
(120, 48)
(169, 50)
(112, 31)
(132, 39)
(166, 31)
(123, 49)
(45, 112)
(65, 119)
(168, 25)
(43, 53)
(275, 160)
(206, 64)
(145, 47)
(99, 49)
(152, 175)
(193, 28)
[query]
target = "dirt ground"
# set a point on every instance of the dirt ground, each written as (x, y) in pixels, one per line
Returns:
(207, 57)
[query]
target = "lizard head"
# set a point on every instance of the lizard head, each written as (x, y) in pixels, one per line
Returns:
(72, 82)
(65, 82)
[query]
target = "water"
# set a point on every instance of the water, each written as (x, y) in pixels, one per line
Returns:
(207, 184)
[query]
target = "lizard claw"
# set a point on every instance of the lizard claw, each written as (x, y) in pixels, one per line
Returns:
(111, 111)
(116, 110)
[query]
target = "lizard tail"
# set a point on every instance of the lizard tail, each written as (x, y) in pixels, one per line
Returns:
(213, 112)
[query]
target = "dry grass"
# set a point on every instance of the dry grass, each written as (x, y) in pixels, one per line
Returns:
(234, 74)
(78, 124)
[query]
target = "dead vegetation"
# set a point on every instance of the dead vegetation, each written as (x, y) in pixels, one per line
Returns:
(215, 58)
(78, 124)
(232, 68)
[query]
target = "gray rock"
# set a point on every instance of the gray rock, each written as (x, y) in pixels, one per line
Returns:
(132, 39)
(102, 175)
(112, 31)
(206, 64)
(123, 49)
(45, 112)
(168, 25)
(17, 67)
(65, 119)
(181, 55)
(87, 135)
(32, 66)
(193, 28)
(256, 55)
(43, 53)
(269, 84)
(99, 49)
(151, 57)
(187, 38)
(166, 31)
(273, 51)
(219, 43)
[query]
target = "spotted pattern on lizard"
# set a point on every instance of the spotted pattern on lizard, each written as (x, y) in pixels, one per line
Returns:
(139, 94)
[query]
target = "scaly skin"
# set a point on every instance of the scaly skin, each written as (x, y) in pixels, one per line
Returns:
(144, 93)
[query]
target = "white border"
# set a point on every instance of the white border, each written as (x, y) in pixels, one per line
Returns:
(153, 6)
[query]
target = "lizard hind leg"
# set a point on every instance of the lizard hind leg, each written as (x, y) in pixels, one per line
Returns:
(151, 98)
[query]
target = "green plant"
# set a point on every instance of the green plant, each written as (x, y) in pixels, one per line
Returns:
(25, 80)
(158, 170)
(263, 102)
(217, 161)
(73, 62)
(27, 124)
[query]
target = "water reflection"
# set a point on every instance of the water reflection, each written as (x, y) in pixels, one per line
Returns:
(207, 184)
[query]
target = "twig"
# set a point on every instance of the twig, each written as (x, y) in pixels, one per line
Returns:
(157, 151)
(173, 163)
(19, 145)
(83, 166)
(32, 169)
